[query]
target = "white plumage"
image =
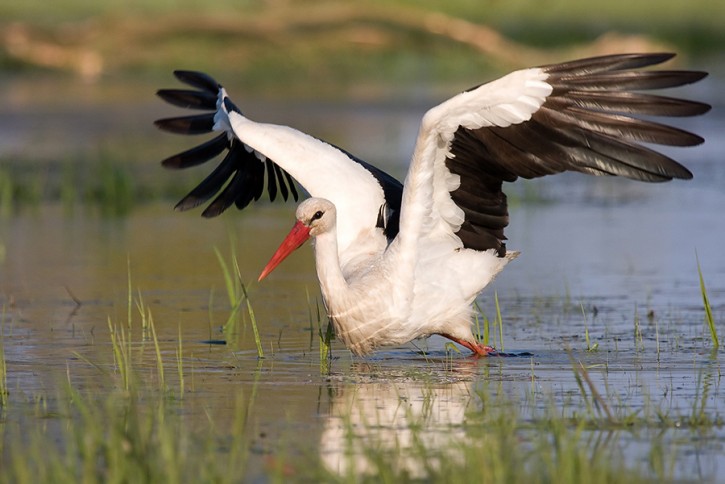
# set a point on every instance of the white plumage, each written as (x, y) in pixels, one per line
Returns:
(398, 262)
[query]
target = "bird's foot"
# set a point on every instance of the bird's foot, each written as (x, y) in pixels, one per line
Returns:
(482, 350)
(477, 348)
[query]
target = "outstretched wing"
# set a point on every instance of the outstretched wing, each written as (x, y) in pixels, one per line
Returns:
(576, 116)
(241, 164)
(367, 199)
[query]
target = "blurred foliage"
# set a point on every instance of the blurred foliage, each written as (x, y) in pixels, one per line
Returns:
(393, 52)
(100, 183)
(328, 42)
(509, 15)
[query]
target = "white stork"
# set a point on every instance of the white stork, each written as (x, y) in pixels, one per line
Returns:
(403, 261)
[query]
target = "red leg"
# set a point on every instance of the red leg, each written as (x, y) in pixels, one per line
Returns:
(477, 348)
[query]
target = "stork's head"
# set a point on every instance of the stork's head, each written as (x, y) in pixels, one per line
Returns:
(315, 216)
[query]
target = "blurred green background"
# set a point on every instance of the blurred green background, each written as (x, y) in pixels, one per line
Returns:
(78, 77)
(334, 45)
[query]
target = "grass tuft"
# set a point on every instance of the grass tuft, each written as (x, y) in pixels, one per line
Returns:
(236, 293)
(121, 346)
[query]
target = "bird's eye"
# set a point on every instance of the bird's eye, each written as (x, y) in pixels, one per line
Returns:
(317, 216)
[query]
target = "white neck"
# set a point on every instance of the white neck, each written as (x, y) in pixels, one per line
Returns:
(332, 282)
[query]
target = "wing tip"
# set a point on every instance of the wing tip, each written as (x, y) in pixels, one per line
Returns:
(197, 79)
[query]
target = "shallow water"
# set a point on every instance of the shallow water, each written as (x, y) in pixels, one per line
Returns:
(615, 258)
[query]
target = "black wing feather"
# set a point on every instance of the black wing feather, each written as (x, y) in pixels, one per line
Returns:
(196, 124)
(199, 80)
(212, 183)
(240, 176)
(188, 99)
(280, 180)
(198, 154)
(271, 180)
(631, 103)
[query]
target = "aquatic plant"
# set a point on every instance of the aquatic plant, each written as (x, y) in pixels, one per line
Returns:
(159, 360)
(709, 318)
(593, 399)
(121, 346)
(485, 335)
(638, 337)
(590, 347)
(122, 438)
(136, 433)
(253, 320)
(232, 277)
(237, 295)
(180, 364)
(480, 333)
(325, 337)
(499, 320)
(125, 350)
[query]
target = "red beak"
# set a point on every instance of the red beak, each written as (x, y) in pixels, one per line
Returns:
(296, 237)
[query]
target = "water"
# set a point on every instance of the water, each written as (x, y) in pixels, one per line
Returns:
(613, 258)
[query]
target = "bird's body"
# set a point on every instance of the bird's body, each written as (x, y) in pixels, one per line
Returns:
(386, 302)
(398, 262)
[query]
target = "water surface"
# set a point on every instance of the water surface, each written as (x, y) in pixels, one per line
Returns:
(613, 258)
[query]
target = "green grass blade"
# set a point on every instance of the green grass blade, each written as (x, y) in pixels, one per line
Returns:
(159, 360)
(709, 318)
(253, 319)
(590, 347)
(228, 278)
(180, 365)
(499, 319)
